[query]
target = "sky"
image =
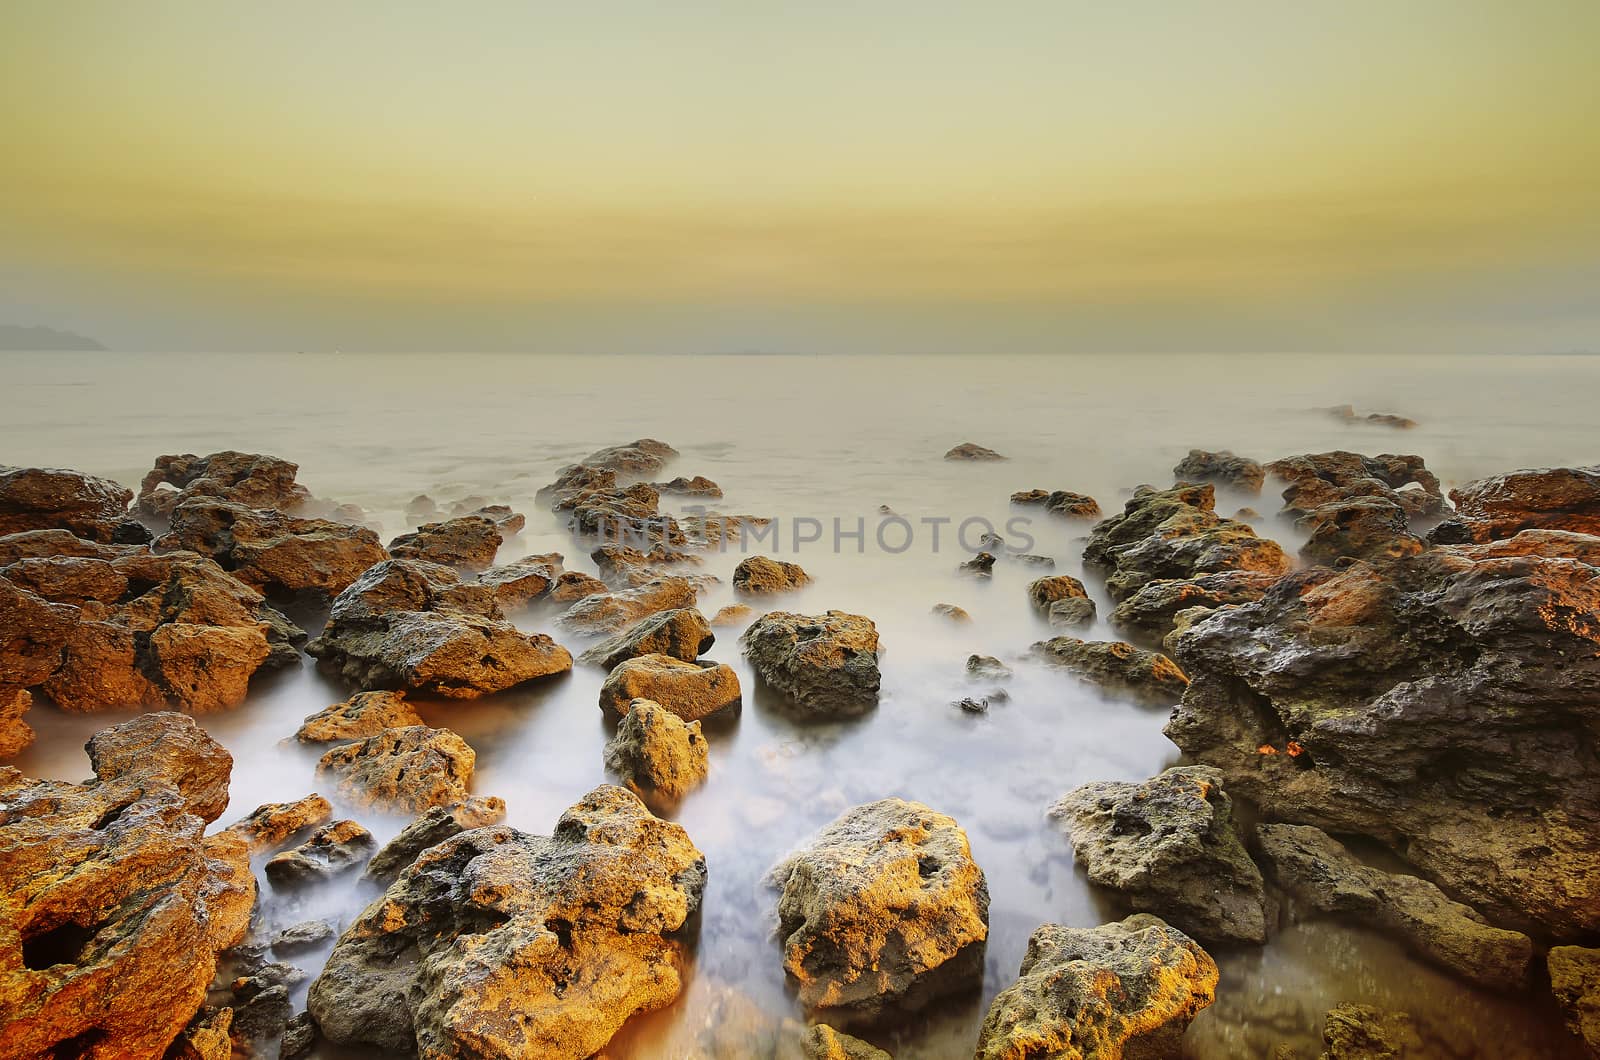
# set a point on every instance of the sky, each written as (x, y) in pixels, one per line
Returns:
(879, 176)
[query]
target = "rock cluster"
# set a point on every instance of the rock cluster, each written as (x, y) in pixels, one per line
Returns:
(827, 665)
(254, 480)
(329, 851)
(1064, 503)
(1357, 506)
(270, 825)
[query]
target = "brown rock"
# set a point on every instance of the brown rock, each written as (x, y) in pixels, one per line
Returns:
(402, 770)
(33, 498)
(655, 753)
(362, 715)
(1117, 667)
(1064, 503)
(681, 633)
(1045, 591)
(1575, 978)
(952, 612)
(516, 585)
(972, 451)
(575, 585)
(254, 480)
(1563, 498)
(15, 734)
(332, 849)
(761, 575)
(271, 824)
(699, 486)
(643, 457)
(1222, 467)
(613, 612)
(468, 543)
(731, 615)
(827, 665)
(691, 690)
(430, 829)
(172, 747)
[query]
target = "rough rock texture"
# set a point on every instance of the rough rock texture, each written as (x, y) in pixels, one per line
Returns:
(656, 753)
(612, 612)
(691, 690)
(254, 480)
(113, 902)
(643, 457)
(760, 575)
(1064, 503)
(330, 850)
(1169, 846)
(1221, 467)
(467, 543)
(883, 910)
(972, 451)
(1122, 989)
(1175, 533)
(1361, 1032)
(402, 770)
(272, 552)
(170, 747)
(35, 498)
(1045, 591)
(207, 1037)
(1120, 668)
(1152, 610)
(1316, 479)
(1073, 612)
(1575, 978)
(1563, 498)
(430, 829)
(496, 943)
(827, 665)
(1357, 528)
(731, 615)
(1320, 874)
(1446, 704)
(15, 734)
(271, 824)
(406, 624)
(520, 583)
(575, 585)
(628, 515)
(699, 486)
(362, 715)
(682, 633)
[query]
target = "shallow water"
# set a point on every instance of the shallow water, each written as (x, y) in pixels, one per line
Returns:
(823, 438)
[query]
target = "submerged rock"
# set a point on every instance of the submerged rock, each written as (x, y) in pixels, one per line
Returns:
(36, 498)
(979, 566)
(699, 486)
(1122, 989)
(883, 910)
(1064, 503)
(496, 943)
(643, 457)
(1223, 467)
(972, 451)
(682, 633)
(1575, 978)
(614, 611)
(762, 575)
(1362, 1032)
(1502, 506)
(431, 828)
(332, 849)
(987, 667)
(362, 715)
(1046, 591)
(656, 753)
(1120, 668)
(952, 612)
(827, 665)
(402, 770)
(254, 480)
(271, 824)
(731, 615)
(467, 543)
(691, 690)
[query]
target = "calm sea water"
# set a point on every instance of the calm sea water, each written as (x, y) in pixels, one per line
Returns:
(823, 438)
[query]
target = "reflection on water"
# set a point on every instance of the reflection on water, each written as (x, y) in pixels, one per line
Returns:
(821, 438)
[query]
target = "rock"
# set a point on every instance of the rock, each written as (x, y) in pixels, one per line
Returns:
(269, 825)
(1121, 989)
(1575, 978)
(1223, 467)
(265, 977)
(1175, 533)
(1120, 668)
(973, 706)
(760, 575)
(655, 753)
(731, 615)
(431, 828)
(1046, 591)
(987, 666)
(1357, 528)
(302, 937)
(1064, 503)
(15, 734)
(1074, 612)
(207, 1037)
(691, 690)
(625, 515)
(402, 770)
(1382, 419)
(699, 486)
(952, 612)
(39, 544)
(254, 480)
(362, 715)
(575, 585)
(264, 1017)
(681, 633)
(516, 585)
(271, 552)
(573, 480)
(1170, 846)
(468, 543)
(972, 451)
(1361, 1032)
(1428, 703)
(498, 943)
(827, 665)
(1563, 498)
(884, 910)
(717, 530)
(332, 849)
(506, 521)
(113, 902)
(643, 457)
(299, 1036)
(612, 612)
(979, 566)
(822, 1042)
(406, 624)
(38, 498)
(1315, 479)
(1321, 875)
(1151, 612)
(171, 747)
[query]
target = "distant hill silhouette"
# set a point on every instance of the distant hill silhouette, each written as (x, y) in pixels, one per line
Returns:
(15, 337)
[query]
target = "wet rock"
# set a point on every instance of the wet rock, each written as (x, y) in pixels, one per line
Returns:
(272, 552)
(254, 480)
(1169, 846)
(987, 666)
(15, 734)
(1120, 668)
(883, 910)
(630, 515)
(656, 753)
(699, 486)
(979, 566)
(1563, 498)
(1074, 612)
(406, 624)
(302, 937)
(362, 715)
(691, 690)
(575, 585)
(1121, 989)
(1152, 610)
(1222, 467)
(972, 451)
(35, 498)
(431, 828)
(827, 665)
(1180, 623)
(265, 976)
(402, 770)
(332, 849)
(1175, 533)
(1321, 875)
(1046, 591)
(518, 584)
(113, 901)
(682, 633)
(499, 943)
(271, 824)
(643, 457)
(1357, 528)
(1429, 703)
(467, 543)
(1575, 978)
(264, 1017)
(970, 705)
(506, 521)
(1361, 1032)
(952, 612)
(299, 1036)
(731, 615)
(1064, 503)
(758, 575)
(612, 612)
(207, 1037)
(171, 747)
(1315, 479)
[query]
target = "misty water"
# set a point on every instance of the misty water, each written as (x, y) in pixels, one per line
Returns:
(822, 438)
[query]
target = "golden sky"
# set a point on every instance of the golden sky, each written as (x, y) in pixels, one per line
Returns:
(879, 175)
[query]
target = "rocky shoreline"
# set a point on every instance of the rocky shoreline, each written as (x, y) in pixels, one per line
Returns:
(1397, 728)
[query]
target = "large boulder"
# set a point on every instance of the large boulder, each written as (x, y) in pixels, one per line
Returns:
(1169, 846)
(1575, 978)
(682, 633)
(407, 624)
(114, 904)
(1221, 467)
(656, 753)
(826, 665)
(1563, 498)
(1117, 667)
(1152, 611)
(272, 552)
(496, 943)
(468, 543)
(1122, 989)
(38, 498)
(402, 770)
(612, 612)
(883, 911)
(254, 480)
(691, 690)
(763, 575)
(1443, 704)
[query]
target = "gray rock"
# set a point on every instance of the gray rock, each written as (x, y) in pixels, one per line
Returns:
(827, 665)
(1120, 668)
(431, 828)
(332, 849)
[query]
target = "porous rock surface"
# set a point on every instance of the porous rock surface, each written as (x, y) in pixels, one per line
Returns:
(827, 665)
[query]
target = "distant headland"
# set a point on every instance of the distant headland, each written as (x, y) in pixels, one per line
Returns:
(16, 337)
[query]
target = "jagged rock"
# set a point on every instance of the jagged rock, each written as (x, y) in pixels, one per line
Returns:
(298, 1037)
(273, 552)
(691, 690)
(1169, 846)
(1074, 612)
(972, 451)
(1563, 498)
(113, 902)
(656, 753)
(1045, 591)
(431, 828)
(1361, 1032)
(362, 715)
(883, 910)
(15, 734)
(496, 943)
(264, 1017)
(1315, 479)
(573, 480)
(265, 976)
(1357, 528)
(402, 770)
(520, 583)
(207, 1037)
(979, 566)
(332, 849)
(1064, 503)
(39, 544)
(467, 543)
(987, 667)
(731, 615)
(1321, 874)
(575, 585)
(1175, 533)
(1575, 978)
(760, 575)
(407, 624)
(612, 612)
(1152, 610)
(643, 457)
(1222, 467)
(271, 824)
(682, 633)
(827, 665)
(304, 936)
(952, 612)
(1429, 703)
(37, 498)
(171, 747)
(699, 486)
(254, 480)
(625, 515)
(1120, 668)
